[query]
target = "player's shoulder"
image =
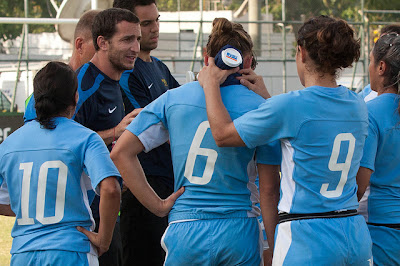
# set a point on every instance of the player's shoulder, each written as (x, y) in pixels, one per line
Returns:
(186, 89)
(74, 127)
(90, 78)
(383, 105)
(19, 137)
(156, 59)
(291, 98)
(159, 63)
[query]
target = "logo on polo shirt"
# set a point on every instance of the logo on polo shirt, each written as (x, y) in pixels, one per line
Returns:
(112, 110)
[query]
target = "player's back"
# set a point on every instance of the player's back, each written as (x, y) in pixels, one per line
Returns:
(47, 191)
(219, 182)
(322, 131)
(383, 157)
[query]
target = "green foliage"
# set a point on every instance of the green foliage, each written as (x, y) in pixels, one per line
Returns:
(172, 5)
(15, 8)
(346, 9)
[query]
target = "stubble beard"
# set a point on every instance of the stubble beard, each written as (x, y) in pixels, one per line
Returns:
(116, 63)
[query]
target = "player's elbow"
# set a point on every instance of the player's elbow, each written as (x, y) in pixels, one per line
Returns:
(221, 138)
(111, 188)
(115, 156)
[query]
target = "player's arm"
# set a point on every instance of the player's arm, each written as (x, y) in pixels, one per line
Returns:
(6, 210)
(124, 155)
(5, 207)
(110, 197)
(363, 176)
(269, 197)
(112, 134)
(222, 127)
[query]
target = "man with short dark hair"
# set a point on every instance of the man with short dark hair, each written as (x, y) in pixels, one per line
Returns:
(116, 36)
(141, 231)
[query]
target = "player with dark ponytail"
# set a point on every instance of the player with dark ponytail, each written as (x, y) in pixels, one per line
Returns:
(380, 165)
(44, 168)
(55, 93)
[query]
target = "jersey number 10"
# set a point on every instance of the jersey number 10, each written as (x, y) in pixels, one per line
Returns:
(41, 192)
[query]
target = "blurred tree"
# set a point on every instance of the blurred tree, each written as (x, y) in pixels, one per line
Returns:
(345, 9)
(15, 8)
(172, 5)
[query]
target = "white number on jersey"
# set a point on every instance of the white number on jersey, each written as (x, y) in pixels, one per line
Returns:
(196, 150)
(343, 167)
(41, 192)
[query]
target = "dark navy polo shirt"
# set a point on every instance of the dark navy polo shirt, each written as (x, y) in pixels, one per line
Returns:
(140, 86)
(100, 105)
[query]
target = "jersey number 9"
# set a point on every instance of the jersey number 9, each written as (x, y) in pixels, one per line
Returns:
(343, 167)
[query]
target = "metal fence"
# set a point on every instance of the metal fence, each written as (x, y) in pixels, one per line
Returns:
(183, 51)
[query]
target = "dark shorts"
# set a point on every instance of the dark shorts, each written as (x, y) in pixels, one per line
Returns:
(141, 230)
(114, 254)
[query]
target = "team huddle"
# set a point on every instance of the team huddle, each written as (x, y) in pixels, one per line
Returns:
(199, 164)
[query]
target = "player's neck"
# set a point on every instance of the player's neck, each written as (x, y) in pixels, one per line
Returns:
(103, 63)
(145, 56)
(74, 62)
(387, 90)
(316, 79)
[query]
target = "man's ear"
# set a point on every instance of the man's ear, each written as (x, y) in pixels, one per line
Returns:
(102, 43)
(79, 44)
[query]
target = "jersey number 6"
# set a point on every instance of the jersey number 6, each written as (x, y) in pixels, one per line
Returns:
(196, 150)
(41, 192)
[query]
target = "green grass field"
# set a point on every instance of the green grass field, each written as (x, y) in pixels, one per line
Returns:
(6, 223)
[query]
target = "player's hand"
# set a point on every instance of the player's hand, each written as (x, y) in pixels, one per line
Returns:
(254, 82)
(212, 76)
(136, 111)
(96, 240)
(267, 255)
(126, 121)
(169, 202)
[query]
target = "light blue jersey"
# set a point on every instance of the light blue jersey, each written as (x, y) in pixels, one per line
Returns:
(44, 171)
(381, 155)
(322, 132)
(219, 182)
(367, 93)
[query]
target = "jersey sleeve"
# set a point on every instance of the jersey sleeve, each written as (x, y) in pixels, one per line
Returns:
(4, 196)
(271, 121)
(98, 162)
(371, 144)
(30, 111)
(150, 126)
(270, 153)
